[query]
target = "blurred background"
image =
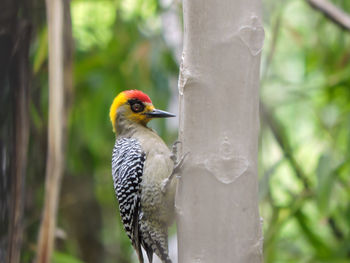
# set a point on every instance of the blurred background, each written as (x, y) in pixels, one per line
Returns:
(304, 166)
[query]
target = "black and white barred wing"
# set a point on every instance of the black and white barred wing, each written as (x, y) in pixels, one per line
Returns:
(127, 168)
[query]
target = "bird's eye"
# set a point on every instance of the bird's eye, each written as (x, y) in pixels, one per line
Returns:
(137, 107)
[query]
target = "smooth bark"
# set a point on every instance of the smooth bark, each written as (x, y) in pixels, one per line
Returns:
(60, 84)
(217, 197)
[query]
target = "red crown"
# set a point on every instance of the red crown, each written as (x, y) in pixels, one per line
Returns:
(137, 94)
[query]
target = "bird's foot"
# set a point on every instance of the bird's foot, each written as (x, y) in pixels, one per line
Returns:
(176, 171)
(165, 184)
(174, 151)
(178, 164)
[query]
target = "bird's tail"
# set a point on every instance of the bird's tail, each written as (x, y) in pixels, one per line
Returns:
(155, 239)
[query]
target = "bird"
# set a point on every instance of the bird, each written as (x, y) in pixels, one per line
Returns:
(142, 169)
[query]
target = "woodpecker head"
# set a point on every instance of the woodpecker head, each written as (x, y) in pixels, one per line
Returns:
(136, 106)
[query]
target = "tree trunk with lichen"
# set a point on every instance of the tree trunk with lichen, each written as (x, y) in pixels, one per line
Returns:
(217, 196)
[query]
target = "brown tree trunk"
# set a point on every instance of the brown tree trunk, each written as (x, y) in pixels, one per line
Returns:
(14, 83)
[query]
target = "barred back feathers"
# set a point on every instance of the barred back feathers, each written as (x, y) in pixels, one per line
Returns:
(127, 168)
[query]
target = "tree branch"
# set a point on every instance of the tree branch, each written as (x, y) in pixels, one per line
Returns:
(332, 12)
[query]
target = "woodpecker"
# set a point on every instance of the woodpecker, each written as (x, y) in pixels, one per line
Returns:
(142, 170)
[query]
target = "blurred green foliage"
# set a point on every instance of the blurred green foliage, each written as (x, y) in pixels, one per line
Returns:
(305, 177)
(305, 134)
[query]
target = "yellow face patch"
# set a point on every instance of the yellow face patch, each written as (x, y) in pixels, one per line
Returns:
(139, 117)
(117, 102)
(121, 101)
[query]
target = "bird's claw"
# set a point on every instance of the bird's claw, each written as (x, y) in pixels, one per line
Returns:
(180, 163)
(176, 171)
(174, 151)
(164, 185)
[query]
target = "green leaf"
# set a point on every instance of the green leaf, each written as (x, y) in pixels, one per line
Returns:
(325, 181)
(312, 236)
(41, 53)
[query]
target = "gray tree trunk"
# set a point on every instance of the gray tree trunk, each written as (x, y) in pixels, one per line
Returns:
(217, 196)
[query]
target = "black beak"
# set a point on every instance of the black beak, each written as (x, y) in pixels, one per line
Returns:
(159, 114)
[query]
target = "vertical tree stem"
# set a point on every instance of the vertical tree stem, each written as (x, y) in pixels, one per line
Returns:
(217, 196)
(20, 84)
(54, 168)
